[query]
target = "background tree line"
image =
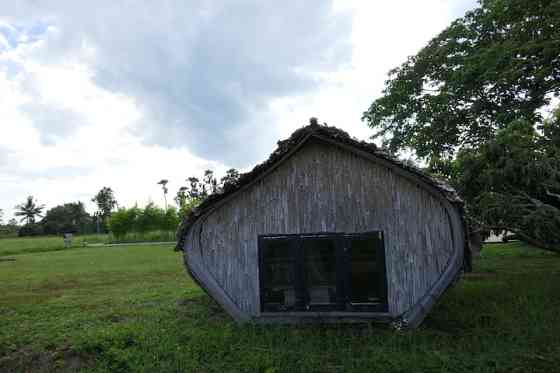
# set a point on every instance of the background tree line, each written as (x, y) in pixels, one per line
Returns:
(72, 217)
(136, 220)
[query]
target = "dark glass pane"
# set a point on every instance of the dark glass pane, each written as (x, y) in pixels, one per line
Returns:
(278, 274)
(364, 269)
(320, 270)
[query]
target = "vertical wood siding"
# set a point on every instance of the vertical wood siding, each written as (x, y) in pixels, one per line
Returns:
(323, 188)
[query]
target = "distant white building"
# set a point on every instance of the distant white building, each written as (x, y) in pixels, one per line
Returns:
(497, 238)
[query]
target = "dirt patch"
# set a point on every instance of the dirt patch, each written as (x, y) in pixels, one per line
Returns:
(73, 361)
(7, 311)
(27, 360)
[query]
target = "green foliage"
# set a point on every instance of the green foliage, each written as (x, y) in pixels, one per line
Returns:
(142, 220)
(123, 220)
(497, 64)
(26, 245)
(31, 229)
(189, 197)
(231, 177)
(29, 210)
(513, 182)
(133, 309)
(164, 236)
(9, 230)
(171, 219)
(485, 76)
(150, 218)
(106, 202)
(68, 218)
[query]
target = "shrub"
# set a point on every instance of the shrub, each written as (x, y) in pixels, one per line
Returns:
(137, 222)
(31, 229)
(123, 221)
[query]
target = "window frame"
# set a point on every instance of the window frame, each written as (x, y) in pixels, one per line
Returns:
(342, 243)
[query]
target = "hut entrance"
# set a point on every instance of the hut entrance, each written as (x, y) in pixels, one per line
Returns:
(323, 272)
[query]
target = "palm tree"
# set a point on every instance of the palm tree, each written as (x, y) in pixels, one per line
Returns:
(163, 183)
(29, 210)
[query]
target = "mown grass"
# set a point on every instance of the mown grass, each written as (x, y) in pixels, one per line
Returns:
(151, 236)
(24, 245)
(133, 309)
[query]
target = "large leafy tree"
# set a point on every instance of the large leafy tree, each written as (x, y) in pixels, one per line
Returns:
(513, 181)
(29, 210)
(470, 103)
(70, 217)
(497, 64)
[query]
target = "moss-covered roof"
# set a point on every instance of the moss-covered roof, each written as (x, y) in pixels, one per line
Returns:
(284, 147)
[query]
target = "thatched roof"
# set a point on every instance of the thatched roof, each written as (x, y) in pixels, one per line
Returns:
(285, 146)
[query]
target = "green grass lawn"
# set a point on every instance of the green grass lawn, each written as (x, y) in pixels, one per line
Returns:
(23, 245)
(133, 309)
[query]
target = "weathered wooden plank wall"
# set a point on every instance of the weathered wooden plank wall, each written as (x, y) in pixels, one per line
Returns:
(323, 188)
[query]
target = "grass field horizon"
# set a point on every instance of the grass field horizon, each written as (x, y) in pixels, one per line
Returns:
(134, 309)
(25, 245)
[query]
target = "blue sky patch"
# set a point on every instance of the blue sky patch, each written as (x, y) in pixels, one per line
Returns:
(14, 34)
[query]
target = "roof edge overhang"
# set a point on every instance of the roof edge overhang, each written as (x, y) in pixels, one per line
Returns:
(336, 137)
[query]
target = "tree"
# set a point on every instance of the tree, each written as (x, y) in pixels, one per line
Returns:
(181, 197)
(209, 183)
(123, 221)
(513, 182)
(150, 218)
(106, 202)
(70, 217)
(230, 178)
(163, 183)
(10, 228)
(188, 197)
(497, 64)
(170, 220)
(29, 210)
(470, 104)
(193, 190)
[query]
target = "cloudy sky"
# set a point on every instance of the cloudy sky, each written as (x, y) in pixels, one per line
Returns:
(125, 93)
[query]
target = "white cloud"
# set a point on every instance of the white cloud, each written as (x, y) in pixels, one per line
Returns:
(100, 149)
(107, 94)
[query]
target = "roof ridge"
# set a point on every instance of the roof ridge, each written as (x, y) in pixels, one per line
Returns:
(299, 136)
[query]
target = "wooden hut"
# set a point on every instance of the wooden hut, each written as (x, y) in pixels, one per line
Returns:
(327, 229)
